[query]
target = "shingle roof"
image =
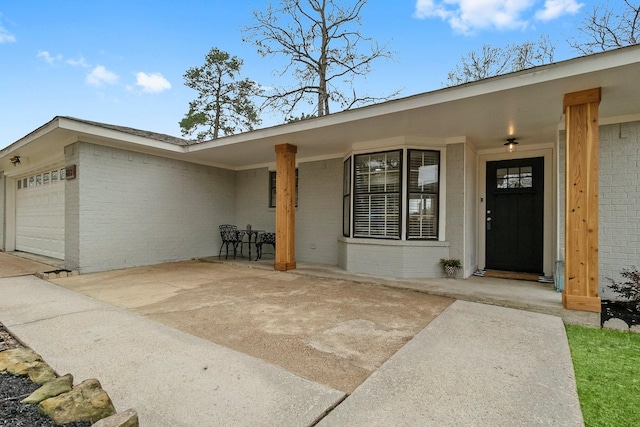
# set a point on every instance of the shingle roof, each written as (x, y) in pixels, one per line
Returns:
(137, 132)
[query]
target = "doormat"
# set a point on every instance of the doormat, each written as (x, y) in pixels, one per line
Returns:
(513, 275)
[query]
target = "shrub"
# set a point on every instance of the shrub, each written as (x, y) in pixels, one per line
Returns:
(630, 288)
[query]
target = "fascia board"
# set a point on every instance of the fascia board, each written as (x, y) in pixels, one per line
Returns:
(118, 137)
(572, 68)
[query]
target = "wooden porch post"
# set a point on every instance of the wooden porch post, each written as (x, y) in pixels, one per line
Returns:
(581, 201)
(285, 207)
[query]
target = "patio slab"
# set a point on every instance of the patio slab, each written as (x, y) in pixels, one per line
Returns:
(170, 377)
(331, 331)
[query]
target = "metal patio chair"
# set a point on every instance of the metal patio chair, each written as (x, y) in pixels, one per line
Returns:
(230, 237)
(265, 239)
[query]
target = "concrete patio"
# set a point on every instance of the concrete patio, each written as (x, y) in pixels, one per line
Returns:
(241, 344)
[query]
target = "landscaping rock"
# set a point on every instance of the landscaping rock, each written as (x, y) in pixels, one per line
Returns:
(24, 361)
(128, 418)
(17, 359)
(50, 389)
(85, 402)
(41, 373)
(617, 324)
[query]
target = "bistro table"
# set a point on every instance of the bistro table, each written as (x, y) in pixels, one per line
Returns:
(252, 238)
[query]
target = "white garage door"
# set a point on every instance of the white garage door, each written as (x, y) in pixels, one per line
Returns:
(40, 214)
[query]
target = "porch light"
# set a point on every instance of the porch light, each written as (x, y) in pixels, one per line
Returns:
(15, 160)
(511, 144)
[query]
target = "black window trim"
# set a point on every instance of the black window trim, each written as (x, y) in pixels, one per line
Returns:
(272, 192)
(408, 193)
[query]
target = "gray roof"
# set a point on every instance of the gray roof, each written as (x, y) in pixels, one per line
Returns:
(137, 132)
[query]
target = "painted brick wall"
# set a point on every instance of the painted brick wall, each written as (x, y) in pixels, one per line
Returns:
(319, 213)
(137, 209)
(470, 216)
(393, 258)
(455, 230)
(72, 210)
(619, 201)
(252, 200)
(619, 195)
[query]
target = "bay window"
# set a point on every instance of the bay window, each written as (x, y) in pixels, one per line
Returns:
(378, 203)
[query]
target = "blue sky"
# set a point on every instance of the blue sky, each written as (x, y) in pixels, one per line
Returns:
(122, 62)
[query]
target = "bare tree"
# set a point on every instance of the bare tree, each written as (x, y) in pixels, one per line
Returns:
(607, 28)
(224, 104)
(492, 61)
(322, 42)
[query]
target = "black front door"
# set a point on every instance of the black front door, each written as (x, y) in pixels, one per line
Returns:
(514, 216)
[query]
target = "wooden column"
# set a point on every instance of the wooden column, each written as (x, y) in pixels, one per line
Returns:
(581, 201)
(285, 207)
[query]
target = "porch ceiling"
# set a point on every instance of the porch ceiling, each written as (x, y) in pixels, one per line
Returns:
(527, 105)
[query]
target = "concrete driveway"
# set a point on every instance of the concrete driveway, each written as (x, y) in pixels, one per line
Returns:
(315, 340)
(334, 332)
(12, 266)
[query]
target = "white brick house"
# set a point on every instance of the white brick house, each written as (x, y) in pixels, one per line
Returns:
(387, 189)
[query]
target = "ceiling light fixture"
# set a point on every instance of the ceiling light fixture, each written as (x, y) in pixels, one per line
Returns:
(511, 144)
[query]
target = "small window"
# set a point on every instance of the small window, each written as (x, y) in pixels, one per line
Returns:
(45, 178)
(272, 188)
(19, 184)
(424, 179)
(24, 183)
(32, 181)
(514, 177)
(38, 180)
(54, 176)
(63, 174)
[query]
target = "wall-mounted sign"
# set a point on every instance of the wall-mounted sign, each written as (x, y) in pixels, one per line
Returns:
(70, 172)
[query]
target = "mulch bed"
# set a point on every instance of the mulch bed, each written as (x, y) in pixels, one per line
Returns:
(14, 388)
(625, 311)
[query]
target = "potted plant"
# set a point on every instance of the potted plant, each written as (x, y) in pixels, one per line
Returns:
(451, 266)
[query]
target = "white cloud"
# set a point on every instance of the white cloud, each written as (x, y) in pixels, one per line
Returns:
(57, 59)
(100, 76)
(152, 83)
(80, 62)
(6, 37)
(48, 58)
(555, 8)
(468, 16)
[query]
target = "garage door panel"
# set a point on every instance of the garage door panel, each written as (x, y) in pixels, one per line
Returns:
(40, 219)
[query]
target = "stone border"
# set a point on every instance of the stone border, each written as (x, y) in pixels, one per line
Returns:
(56, 274)
(57, 397)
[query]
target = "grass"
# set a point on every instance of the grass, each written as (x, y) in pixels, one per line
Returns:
(607, 369)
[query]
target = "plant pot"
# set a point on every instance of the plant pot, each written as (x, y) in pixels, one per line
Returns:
(450, 271)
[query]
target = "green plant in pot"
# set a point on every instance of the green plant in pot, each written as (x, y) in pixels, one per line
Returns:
(451, 266)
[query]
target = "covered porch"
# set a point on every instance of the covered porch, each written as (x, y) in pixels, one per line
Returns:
(517, 294)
